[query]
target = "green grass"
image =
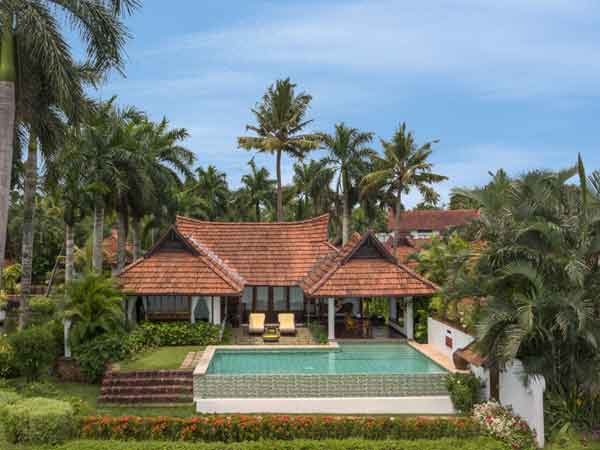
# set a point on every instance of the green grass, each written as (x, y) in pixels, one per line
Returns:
(159, 358)
(481, 443)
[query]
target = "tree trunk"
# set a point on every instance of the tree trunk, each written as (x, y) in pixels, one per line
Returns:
(397, 225)
(279, 191)
(28, 227)
(97, 255)
(136, 234)
(7, 128)
(257, 206)
(69, 253)
(345, 209)
(121, 241)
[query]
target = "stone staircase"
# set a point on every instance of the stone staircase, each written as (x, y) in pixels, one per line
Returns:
(147, 387)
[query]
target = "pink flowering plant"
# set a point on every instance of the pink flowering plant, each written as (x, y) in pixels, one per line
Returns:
(501, 423)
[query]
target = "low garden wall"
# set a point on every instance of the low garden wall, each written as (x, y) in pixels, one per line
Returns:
(445, 337)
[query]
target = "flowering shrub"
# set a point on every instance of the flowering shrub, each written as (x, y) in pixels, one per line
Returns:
(464, 389)
(8, 366)
(237, 428)
(502, 424)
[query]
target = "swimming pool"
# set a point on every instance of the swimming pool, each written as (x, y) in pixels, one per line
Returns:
(348, 359)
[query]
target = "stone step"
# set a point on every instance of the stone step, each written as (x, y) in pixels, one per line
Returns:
(118, 381)
(150, 374)
(145, 398)
(134, 390)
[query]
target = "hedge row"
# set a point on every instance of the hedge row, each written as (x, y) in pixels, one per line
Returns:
(349, 444)
(239, 428)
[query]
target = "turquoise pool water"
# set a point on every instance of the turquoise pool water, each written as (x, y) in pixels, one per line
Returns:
(348, 359)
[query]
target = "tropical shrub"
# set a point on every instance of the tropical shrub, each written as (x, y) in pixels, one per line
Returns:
(177, 333)
(238, 428)
(95, 306)
(35, 349)
(95, 355)
(42, 310)
(10, 278)
(8, 367)
(8, 397)
(502, 424)
(480, 443)
(38, 420)
(464, 389)
(39, 389)
(319, 333)
(3, 300)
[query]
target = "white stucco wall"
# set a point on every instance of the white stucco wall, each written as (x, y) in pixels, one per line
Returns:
(436, 336)
(526, 399)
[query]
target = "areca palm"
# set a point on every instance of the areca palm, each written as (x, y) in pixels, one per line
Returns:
(348, 154)
(32, 43)
(280, 124)
(95, 306)
(539, 271)
(404, 165)
(258, 186)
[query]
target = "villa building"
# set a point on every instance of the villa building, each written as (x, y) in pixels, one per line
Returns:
(424, 224)
(223, 271)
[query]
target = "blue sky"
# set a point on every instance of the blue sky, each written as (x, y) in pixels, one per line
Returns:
(512, 84)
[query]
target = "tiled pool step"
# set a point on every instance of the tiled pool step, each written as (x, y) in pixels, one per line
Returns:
(147, 386)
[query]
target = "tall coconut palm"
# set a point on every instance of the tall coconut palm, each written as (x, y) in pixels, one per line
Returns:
(348, 153)
(281, 121)
(31, 39)
(404, 165)
(258, 187)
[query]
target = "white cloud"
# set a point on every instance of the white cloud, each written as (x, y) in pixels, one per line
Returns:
(514, 48)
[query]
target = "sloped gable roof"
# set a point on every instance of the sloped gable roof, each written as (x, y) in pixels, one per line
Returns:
(264, 253)
(364, 268)
(176, 266)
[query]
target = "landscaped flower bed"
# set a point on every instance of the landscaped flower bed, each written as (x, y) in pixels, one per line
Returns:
(237, 428)
(502, 424)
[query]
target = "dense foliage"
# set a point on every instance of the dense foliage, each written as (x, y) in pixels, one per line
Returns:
(35, 350)
(94, 355)
(38, 420)
(464, 390)
(177, 333)
(237, 428)
(344, 444)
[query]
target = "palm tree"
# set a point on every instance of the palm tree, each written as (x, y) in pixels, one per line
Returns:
(211, 186)
(404, 165)
(280, 121)
(348, 153)
(258, 187)
(30, 33)
(95, 306)
(539, 272)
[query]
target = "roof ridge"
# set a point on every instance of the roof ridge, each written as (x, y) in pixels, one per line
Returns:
(315, 219)
(218, 261)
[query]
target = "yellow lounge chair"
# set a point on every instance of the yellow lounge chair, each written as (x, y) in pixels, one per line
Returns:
(256, 323)
(286, 323)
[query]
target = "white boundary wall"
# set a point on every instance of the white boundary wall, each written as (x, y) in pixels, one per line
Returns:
(526, 401)
(438, 331)
(339, 405)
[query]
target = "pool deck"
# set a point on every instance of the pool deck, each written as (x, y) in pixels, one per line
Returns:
(440, 358)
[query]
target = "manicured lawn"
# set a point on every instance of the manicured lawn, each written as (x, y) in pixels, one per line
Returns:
(160, 358)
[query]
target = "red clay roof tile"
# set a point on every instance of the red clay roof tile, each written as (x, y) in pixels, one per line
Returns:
(434, 220)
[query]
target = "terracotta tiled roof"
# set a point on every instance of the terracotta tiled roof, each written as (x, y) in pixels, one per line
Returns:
(471, 355)
(434, 220)
(266, 253)
(184, 271)
(109, 248)
(349, 274)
